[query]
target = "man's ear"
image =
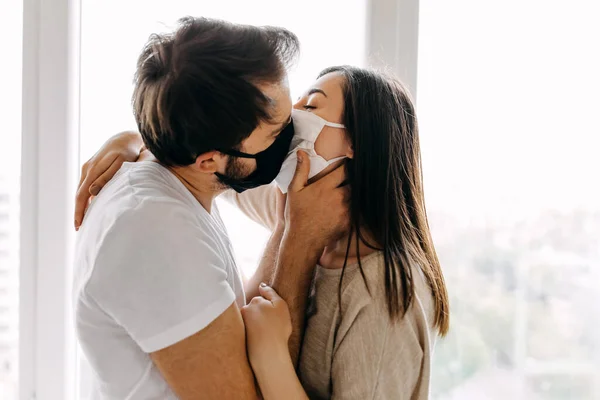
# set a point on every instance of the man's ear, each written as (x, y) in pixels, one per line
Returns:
(210, 162)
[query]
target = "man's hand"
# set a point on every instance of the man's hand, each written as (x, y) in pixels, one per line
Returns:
(99, 169)
(317, 213)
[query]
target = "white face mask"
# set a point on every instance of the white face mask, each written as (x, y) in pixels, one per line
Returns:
(307, 128)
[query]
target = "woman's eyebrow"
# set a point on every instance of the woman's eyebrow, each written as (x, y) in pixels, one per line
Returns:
(315, 90)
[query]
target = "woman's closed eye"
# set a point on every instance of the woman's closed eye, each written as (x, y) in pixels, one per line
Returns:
(308, 107)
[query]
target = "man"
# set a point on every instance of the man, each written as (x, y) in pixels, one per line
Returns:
(157, 292)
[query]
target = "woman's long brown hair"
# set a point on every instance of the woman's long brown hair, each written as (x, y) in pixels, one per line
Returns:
(386, 183)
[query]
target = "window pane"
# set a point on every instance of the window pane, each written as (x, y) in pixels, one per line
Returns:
(109, 57)
(10, 149)
(508, 104)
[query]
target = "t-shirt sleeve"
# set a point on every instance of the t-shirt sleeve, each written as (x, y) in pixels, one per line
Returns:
(161, 276)
(376, 359)
(259, 204)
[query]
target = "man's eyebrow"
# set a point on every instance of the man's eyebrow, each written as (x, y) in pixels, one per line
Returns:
(282, 126)
(315, 90)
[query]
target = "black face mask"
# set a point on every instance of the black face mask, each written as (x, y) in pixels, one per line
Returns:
(268, 162)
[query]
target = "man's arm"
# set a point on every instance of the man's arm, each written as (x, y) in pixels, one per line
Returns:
(177, 309)
(315, 215)
(211, 364)
(293, 275)
(287, 265)
(273, 208)
(266, 269)
(259, 204)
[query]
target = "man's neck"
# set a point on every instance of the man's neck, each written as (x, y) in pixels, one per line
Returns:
(200, 185)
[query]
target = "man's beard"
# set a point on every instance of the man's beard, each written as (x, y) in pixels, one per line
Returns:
(235, 169)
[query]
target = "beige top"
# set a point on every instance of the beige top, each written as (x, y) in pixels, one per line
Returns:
(360, 353)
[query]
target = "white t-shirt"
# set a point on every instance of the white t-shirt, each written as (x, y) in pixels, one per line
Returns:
(152, 267)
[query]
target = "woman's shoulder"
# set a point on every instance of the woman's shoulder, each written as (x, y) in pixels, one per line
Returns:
(362, 282)
(366, 292)
(388, 356)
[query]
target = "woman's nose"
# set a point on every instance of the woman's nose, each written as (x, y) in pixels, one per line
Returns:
(299, 105)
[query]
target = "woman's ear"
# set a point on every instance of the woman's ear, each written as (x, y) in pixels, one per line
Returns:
(350, 153)
(349, 150)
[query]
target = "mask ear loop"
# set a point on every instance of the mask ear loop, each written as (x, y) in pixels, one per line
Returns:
(240, 154)
(335, 125)
(326, 123)
(235, 153)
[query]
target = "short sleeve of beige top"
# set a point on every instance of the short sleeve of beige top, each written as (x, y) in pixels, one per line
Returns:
(355, 351)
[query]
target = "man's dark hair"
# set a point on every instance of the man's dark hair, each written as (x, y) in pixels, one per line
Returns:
(196, 88)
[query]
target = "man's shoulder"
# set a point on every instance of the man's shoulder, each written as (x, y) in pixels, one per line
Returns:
(140, 194)
(144, 222)
(149, 221)
(140, 210)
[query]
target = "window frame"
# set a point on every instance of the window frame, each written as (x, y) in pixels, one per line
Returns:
(398, 52)
(49, 167)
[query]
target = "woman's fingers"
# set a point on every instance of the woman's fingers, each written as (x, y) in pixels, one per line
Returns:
(106, 176)
(81, 201)
(269, 293)
(91, 171)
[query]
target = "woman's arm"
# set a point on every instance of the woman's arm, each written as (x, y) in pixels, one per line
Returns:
(268, 329)
(277, 378)
(98, 170)
(259, 204)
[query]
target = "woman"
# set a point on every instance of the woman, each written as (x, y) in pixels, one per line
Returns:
(379, 298)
